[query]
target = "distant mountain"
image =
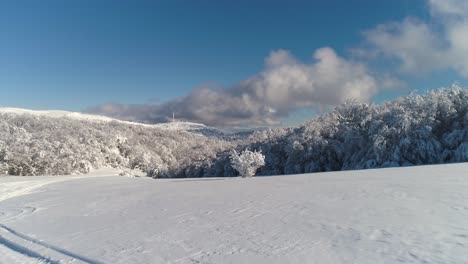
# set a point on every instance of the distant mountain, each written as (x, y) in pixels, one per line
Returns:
(195, 128)
(191, 127)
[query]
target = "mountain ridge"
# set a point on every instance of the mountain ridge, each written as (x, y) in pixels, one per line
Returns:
(195, 128)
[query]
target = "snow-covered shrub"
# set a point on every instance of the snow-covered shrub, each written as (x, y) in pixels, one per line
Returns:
(247, 162)
(157, 171)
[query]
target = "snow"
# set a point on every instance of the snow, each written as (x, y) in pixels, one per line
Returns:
(395, 215)
(195, 128)
(58, 114)
(16, 186)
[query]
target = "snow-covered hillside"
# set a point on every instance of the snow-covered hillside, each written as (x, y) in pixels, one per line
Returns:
(195, 128)
(177, 125)
(57, 114)
(397, 215)
(412, 130)
(62, 143)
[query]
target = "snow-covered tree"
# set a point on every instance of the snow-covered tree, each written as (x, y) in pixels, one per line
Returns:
(412, 130)
(247, 162)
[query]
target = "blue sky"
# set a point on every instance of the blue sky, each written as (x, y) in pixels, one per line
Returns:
(73, 55)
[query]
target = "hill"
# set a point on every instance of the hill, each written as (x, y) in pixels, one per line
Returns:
(62, 143)
(411, 130)
(191, 127)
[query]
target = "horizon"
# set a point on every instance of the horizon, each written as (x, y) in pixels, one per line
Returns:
(173, 119)
(262, 64)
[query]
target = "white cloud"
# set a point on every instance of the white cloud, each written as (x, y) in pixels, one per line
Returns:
(283, 86)
(449, 8)
(420, 47)
(286, 84)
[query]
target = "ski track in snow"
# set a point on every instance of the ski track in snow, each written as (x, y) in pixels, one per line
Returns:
(29, 253)
(398, 215)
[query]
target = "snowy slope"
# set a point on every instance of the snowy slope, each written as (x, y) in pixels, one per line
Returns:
(397, 215)
(58, 114)
(178, 125)
(192, 127)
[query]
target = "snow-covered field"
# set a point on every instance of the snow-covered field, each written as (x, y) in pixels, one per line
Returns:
(397, 215)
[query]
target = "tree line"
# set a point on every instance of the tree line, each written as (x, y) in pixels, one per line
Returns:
(411, 130)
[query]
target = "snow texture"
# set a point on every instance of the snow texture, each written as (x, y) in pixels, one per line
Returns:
(394, 215)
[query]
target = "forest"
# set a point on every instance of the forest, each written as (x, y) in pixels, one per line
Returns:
(411, 130)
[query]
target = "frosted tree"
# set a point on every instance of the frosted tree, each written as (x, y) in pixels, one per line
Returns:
(412, 130)
(247, 162)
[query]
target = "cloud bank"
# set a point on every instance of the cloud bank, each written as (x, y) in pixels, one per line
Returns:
(286, 84)
(282, 87)
(424, 47)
